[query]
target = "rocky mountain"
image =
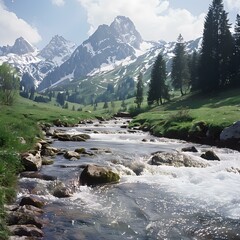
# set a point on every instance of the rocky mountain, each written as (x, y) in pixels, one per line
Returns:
(20, 47)
(97, 82)
(107, 45)
(58, 50)
(27, 59)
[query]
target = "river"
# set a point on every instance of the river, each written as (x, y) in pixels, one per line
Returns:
(150, 202)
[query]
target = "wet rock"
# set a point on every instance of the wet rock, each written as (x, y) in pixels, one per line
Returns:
(176, 160)
(144, 140)
(75, 138)
(38, 176)
(31, 162)
(32, 200)
(80, 150)
(29, 209)
(26, 230)
(210, 155)
(122, 115)
(94, 175)
(71, 155)
(232, 132)
(189, 149)
(233, 170)
(22, 218)
(49, 151)
(59, 190)
(47, 161)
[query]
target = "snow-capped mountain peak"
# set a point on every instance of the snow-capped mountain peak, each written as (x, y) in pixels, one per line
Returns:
(124, 29)
(58, 50)
(20, 47)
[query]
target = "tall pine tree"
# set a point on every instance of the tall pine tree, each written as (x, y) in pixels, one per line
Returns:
(194, 71)
(217, 49)
(157, 86)
(139, 93)
(236, 54)
(180, 72)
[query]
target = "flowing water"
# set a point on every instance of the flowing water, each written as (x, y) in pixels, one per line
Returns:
(149, 202)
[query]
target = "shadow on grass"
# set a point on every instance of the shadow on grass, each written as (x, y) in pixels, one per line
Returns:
(212, 100)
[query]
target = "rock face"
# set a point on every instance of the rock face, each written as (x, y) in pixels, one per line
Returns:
(94, 175)
(32, 161)
(232, 132)
(175, 159)
(106, 45)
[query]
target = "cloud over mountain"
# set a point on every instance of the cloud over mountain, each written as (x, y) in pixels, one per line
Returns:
(153, 18)
(12, 27)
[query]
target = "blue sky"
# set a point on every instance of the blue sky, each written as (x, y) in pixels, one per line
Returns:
(39, 20)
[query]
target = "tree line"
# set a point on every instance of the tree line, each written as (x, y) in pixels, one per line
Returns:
(215, 67)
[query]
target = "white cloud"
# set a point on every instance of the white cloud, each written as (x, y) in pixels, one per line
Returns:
(154, 19)
(58, 3)
(233, 4)
(12, 27)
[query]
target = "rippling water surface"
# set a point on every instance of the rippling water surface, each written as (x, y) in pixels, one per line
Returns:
(149, 202)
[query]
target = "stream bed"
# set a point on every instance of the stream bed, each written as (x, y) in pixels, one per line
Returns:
(150, 202)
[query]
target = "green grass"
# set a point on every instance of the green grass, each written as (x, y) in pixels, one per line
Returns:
(21, 121)
(216, 111)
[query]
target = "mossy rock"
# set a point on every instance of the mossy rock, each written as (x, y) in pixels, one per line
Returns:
(94, 175)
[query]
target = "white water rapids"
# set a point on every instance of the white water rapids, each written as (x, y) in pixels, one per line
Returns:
(149, 202)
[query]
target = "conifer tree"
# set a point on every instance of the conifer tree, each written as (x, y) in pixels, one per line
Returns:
(180, 72)
(217, 49)
(157, 86)
(236, 54)
(194, 71)
(139, 93)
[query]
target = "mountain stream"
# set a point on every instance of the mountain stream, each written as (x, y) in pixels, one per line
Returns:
(150, 202)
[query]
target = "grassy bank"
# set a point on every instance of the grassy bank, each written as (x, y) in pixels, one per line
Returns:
(193, 116)
(19, 131)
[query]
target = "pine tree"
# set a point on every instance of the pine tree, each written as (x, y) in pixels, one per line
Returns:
(180, 72)
(236, 54)
(217, 49)
(139, 93)
(194, 71)
(157, 86)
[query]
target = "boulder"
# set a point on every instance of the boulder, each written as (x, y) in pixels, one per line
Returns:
(189, 149)
(72, 154)
(175, 159)
(232, 132)
(49, 151)
(33, 201)
(210, 155)
(59, 190)
(31, 162)
(93, 175)
(26, 230)
(29, 209)
(47, 161)
(21, 218)
(75, 138)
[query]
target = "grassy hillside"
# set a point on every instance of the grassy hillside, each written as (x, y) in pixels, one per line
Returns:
(20, 123)
(193, 116)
